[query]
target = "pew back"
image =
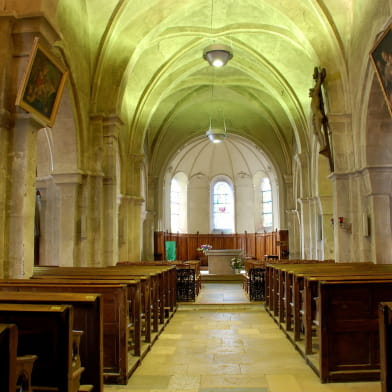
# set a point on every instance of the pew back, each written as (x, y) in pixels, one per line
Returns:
(88, 317)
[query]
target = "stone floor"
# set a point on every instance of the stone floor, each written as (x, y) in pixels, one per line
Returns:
(224, 343)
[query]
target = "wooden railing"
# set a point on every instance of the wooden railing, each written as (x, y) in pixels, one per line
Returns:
(254, 245)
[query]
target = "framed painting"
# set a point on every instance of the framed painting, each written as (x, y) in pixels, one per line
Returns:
(42, 85)
(381, 56)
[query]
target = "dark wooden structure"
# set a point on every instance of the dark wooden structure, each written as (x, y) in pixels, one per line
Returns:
(46, 330)
(88, 317)
(115, 318)
(330, 313)
(254, 245)
(8, 353)
(385, 330)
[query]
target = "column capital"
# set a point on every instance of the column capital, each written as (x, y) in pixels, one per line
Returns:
(67, 178)
(25, 29)
(138, 160)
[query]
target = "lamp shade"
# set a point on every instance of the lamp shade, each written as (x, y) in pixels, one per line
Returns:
(216, 135)
(217, 55)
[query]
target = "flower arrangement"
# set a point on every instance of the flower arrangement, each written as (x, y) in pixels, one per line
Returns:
(203, 248)
(237, 263)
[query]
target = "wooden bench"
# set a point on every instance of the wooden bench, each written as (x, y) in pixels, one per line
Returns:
(192, 264)
(15, 371)
(88, 317)
(273, 278)
(162, 282)
(148, 309)
(8, 353)
(46, 330)
(298, 290)
(117, 367)
(348, 329)
(310, 308)
(385, 332)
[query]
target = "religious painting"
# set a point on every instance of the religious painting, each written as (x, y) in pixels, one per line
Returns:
(381, 56)
(42, 85)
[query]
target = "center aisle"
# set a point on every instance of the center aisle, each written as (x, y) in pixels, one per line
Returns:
(216, 346)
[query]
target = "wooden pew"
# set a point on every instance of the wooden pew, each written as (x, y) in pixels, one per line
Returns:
(385, 332)
(160, 281)
(8, 353)
(285, 286)
(144, 298)
(311, 308)
(294, 307)
(24, 371)
(88, 317)
(192, 264)
(348, 329)
(273, 279)
(338, 274)
(47, 331)
(117, 364)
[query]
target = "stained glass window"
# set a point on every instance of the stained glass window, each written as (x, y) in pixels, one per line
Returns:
(223, 207)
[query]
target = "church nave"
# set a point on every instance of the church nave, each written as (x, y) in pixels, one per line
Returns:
(221, 343)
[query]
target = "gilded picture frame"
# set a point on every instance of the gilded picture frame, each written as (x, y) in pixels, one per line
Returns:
(381, 56)
(42, 85)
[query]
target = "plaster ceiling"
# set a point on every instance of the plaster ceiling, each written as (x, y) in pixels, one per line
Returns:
(145, 63)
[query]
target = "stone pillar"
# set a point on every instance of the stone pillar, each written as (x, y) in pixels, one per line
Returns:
(342, 232)
(67, 193)
(123, 244)
(135, 213)
(47, 239)
(306, 227)
(111, 127)
(327, 227)
(294, 234)
(148, 236)
(19, 138)
(381, 228)
(94, 224)
(135, 237)
(380, 203)
(21, 201)
(130, 225)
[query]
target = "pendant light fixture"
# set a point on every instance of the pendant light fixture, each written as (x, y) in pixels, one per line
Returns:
(217, 54)
(215, 135)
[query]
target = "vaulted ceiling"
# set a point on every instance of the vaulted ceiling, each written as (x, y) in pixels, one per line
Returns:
(145, 64)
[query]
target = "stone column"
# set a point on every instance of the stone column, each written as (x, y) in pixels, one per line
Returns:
(6, 49)
(21, 200)
(123, 245)
(294, 234)
(67, 193)
(327, 227)
(380, 203)
(135, 213)
(17, 36)
(306, 227)
(342, 232)
(130, 225)
(148, 236)
(111, 127)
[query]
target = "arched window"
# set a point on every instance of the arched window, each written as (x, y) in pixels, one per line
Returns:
(266, 202)
(178, 204)
(222, 207)
(175, 205)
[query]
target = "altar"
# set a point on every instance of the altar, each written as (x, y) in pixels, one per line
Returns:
(219, 260)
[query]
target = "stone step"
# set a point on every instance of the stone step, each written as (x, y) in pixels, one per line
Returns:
(221, 278)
